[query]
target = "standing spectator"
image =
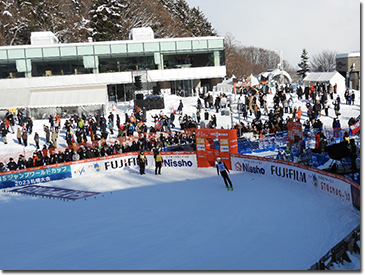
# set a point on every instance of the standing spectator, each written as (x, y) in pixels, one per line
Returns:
(12, 165)
(30, 125)
(158, 162)
(36, 140)
(118, 121)
(22, 163)
(172, 118)
(25, 137)
(54, 138)
(141, 161)
(51, 122)
(326, 106)
(353, 154)
(180, 107)
(299, 113)
(46, 130)
(352, 98)
(19, 135)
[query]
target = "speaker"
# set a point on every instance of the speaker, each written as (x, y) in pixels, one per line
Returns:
(139, 96)
(156, 90)
(138, 82)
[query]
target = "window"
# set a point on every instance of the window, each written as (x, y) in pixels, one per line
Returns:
(135, 48)
(34, 53)
(68, 51)
(102, 49)
(51, 52)
(85, 50)
(151, 47)
(16, 53)
(167, 46)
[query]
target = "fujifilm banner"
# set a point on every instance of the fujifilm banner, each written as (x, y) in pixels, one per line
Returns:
(294, 173)
(128, 163)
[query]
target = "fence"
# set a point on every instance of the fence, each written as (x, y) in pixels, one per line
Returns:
(338, 254)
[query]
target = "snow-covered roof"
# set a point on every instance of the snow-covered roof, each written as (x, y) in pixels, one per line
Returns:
(145, 33)
(347, 55)
(43, 38)
(322, 76)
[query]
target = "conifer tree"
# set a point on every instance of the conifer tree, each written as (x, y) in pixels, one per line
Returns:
(303, 65)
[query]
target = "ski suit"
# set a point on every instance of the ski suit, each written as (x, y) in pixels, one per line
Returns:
(222, 168)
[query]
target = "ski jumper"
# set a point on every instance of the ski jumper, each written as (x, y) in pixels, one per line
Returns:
(222, 168)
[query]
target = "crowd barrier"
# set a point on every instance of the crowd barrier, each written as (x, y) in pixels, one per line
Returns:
(122, 163)
(320, 180)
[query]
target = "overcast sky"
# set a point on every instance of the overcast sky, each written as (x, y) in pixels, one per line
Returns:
(287, 25)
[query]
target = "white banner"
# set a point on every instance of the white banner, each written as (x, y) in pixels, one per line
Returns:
(295, 173)
(126, 162)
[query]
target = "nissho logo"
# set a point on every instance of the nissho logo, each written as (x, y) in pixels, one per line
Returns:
(178, 163)
(253, 169)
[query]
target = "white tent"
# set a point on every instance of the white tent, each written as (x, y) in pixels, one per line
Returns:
(226, 86)
(254, 81)
(80, 99)
(329, 77)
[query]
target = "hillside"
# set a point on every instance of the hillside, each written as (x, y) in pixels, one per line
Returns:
(102, 20)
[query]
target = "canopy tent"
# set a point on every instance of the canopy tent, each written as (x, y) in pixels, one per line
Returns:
(276, 75)
(329, 77)
(68, 96)
(225, 86)
(42, 102)
(15, 98)
(254, 81)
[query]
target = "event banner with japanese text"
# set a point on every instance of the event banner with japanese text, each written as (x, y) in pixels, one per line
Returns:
(34, 176)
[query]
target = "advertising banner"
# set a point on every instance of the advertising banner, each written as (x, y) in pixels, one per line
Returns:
(128, 161)
(207, 154)
(54, 192)
(34, 176)
(320, 180)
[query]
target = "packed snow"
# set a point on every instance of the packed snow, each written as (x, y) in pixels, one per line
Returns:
(183, 219)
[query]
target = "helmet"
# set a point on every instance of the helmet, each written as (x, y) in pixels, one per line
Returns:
(218, 159)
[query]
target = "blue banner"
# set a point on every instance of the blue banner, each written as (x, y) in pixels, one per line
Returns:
(35, 176)
(54, 192)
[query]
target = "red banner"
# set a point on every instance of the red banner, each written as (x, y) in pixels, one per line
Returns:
(207, 154)
(294, 129)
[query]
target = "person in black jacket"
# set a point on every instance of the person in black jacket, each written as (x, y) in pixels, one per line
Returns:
(12, 165)
(141, 161)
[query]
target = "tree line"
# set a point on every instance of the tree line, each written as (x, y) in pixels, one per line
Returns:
(73, 21)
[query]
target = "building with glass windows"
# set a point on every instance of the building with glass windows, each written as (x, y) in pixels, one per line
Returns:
(172, 65)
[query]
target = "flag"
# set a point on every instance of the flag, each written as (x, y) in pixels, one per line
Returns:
(355, 127)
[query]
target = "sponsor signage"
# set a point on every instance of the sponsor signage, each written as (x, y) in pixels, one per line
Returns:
(335, 185)
(36, 176)
(54, 192)
(128, 161)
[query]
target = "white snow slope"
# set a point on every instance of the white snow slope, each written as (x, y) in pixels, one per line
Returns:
(183, 219)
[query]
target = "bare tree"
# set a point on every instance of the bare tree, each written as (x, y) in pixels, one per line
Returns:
(324, 61)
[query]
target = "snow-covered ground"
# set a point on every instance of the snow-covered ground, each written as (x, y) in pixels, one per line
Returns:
(182, 220)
